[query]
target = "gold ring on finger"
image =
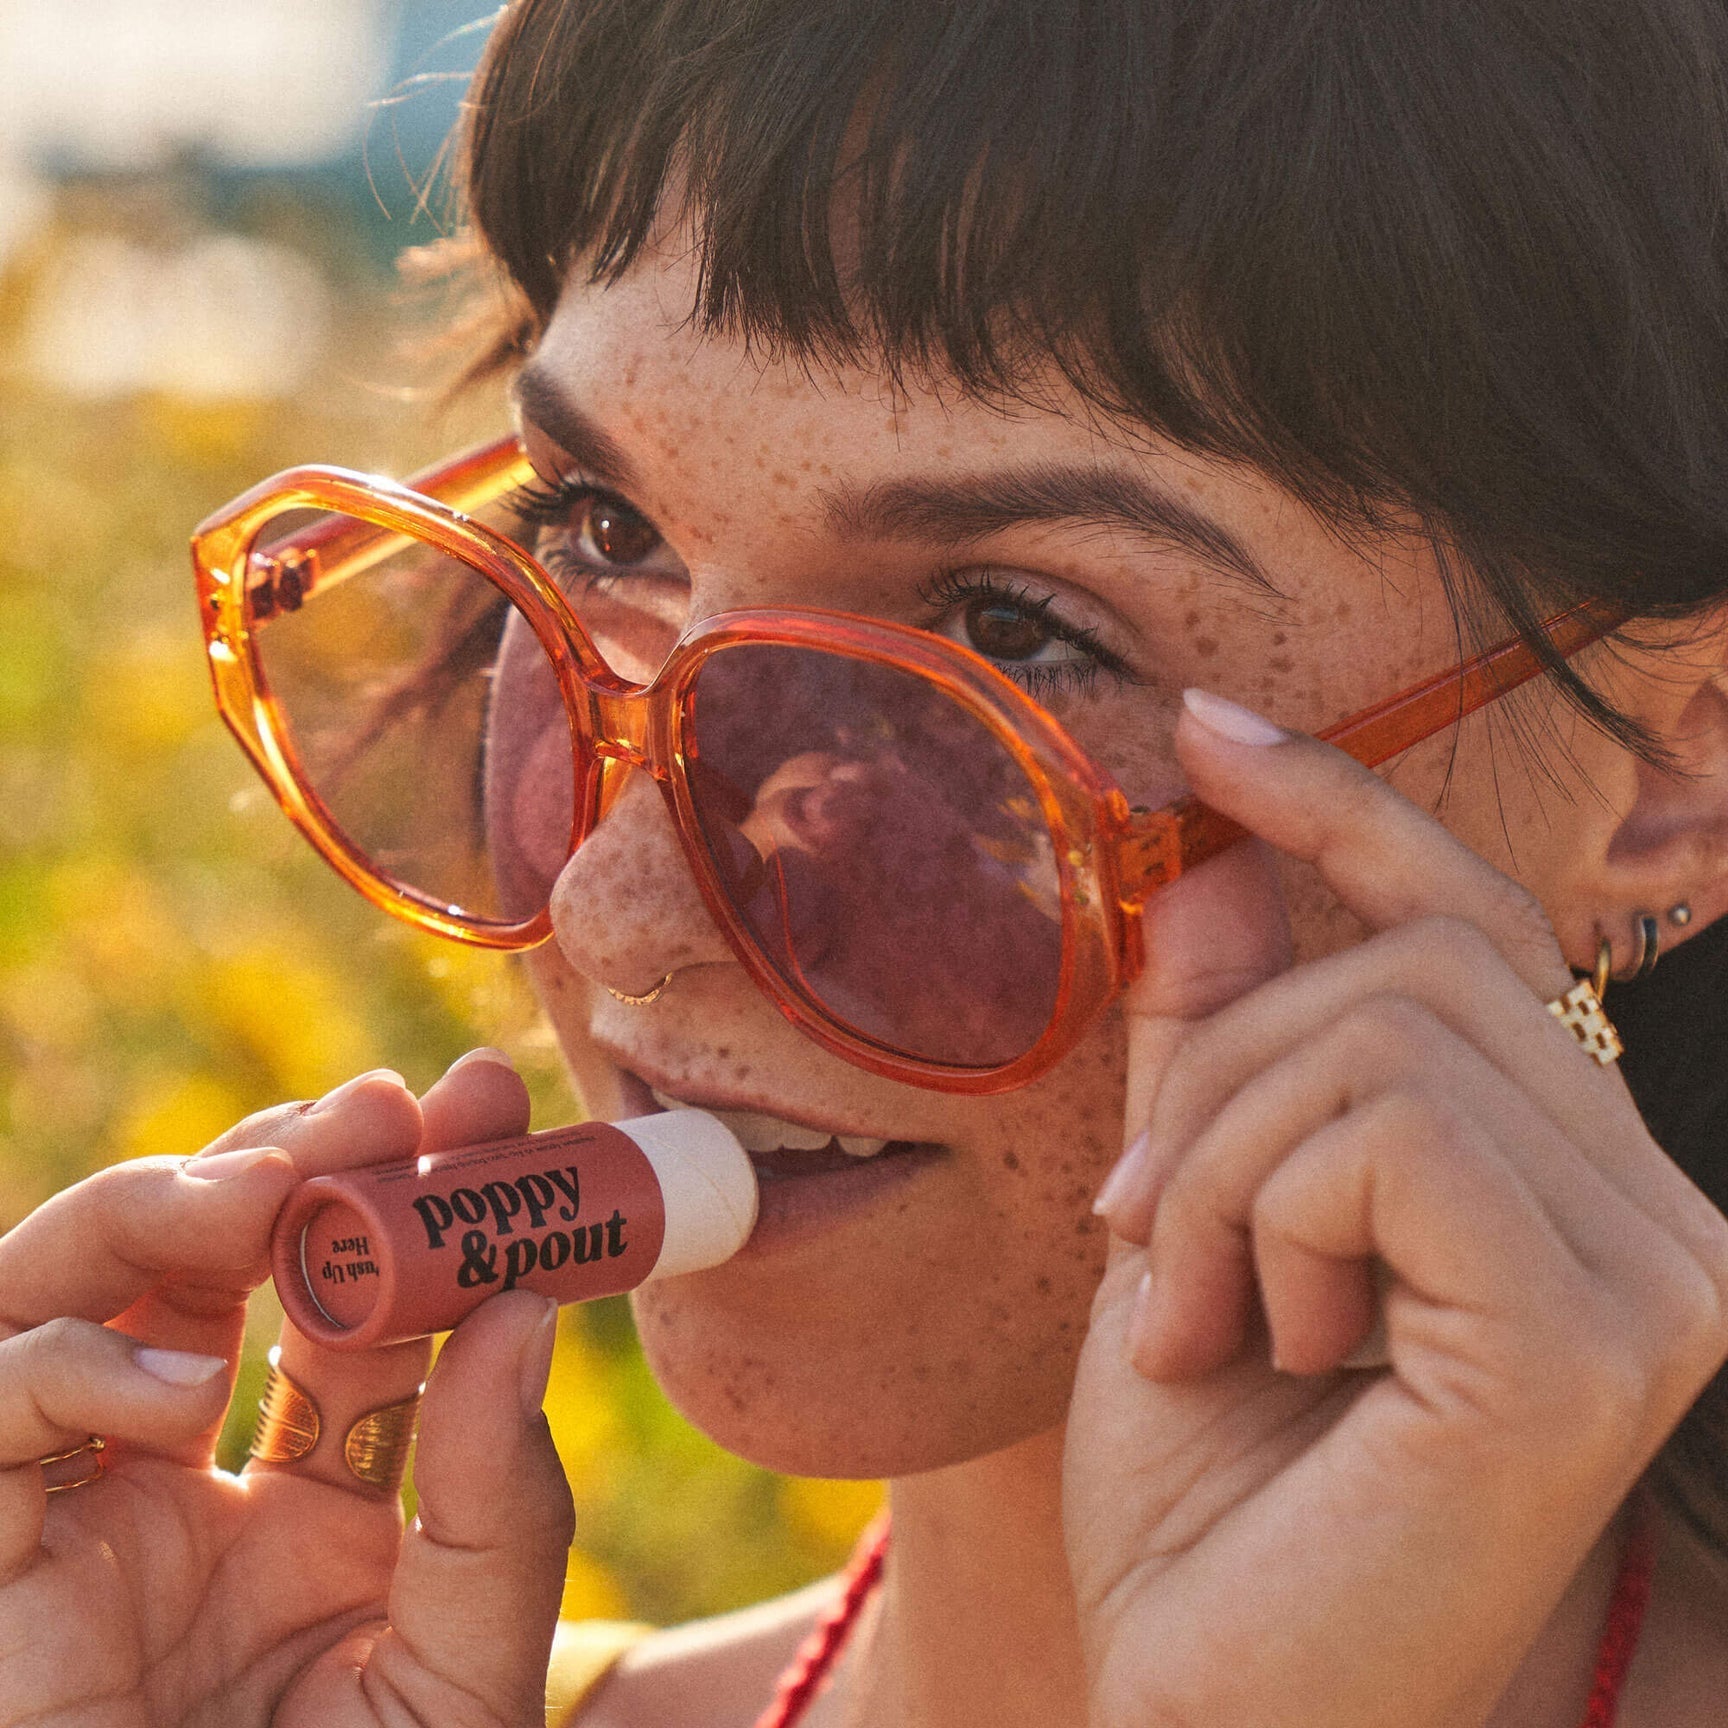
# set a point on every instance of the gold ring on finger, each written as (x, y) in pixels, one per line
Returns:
(92, 1467)
(290, 1424)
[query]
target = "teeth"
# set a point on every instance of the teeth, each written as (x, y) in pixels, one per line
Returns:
(759, 1133)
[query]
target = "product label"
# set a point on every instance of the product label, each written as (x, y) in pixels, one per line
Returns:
(521, 1210)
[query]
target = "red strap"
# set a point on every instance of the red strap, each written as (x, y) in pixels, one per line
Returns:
(1625, 1616)
(809, 1670)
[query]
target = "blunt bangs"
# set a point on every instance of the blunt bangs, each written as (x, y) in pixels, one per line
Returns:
(1447, 263)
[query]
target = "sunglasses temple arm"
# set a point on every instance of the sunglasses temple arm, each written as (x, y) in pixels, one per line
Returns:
(1160, 844)
(340, 546)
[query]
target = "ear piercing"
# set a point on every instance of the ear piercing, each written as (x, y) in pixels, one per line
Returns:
(1680, 915)
(1648, 949)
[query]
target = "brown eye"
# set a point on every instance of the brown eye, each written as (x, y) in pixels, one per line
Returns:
(1000, 630)
(617, 533)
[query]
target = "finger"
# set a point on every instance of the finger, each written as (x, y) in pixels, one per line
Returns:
(1386, 860)
(68, 1379)
(474, 1600)
(1212, 935)
(94, 1249)
(1415, 1181)
(480, 1097)
(1540, 1310)
(1203, 1239)
(367, 1120)
(1456, 974)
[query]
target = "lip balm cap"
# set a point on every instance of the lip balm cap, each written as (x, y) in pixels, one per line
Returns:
(708, 1184)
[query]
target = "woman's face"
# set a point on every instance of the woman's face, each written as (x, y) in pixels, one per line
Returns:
(910, 1310)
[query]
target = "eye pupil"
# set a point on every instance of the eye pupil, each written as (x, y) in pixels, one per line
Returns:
(618, 534)
(1003, 631)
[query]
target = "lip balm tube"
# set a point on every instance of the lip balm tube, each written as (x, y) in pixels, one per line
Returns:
(375, 1256)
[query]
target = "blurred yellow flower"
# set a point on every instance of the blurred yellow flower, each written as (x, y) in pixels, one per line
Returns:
(590, 1591)
(828, 1513)
(175, 1114)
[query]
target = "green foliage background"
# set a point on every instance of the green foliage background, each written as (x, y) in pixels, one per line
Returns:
(172, 957)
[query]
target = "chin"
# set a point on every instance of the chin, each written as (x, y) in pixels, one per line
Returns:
(803, 1406)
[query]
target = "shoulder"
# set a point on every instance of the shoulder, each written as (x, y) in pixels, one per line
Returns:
(717, 1673)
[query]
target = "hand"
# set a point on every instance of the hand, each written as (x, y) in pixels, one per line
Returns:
(169, 1592)
(1401, 1125)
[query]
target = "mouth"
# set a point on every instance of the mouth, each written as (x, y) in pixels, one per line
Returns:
(780, 1148)
(814, 1177)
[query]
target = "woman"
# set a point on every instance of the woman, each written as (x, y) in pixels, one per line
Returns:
(1291, 356)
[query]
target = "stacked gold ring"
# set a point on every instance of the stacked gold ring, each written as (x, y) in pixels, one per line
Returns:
(290, 1425)
(92, 1449)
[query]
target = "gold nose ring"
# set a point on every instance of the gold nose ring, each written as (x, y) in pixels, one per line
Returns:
(641, 1001)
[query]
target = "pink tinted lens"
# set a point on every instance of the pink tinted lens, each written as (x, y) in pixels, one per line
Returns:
(886, 853)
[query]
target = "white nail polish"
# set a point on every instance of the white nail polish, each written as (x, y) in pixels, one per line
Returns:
(1127, 1167)
(178, 1367)
(1230, 720)
(485, 1053)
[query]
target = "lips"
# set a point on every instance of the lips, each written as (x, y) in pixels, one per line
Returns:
(812, 1177)
(758, 1132)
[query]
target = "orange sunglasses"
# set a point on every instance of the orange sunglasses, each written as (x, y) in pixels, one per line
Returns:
(910, 857)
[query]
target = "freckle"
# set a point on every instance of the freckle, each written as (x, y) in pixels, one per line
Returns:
(1190, 619)
(1205, 646)
(1279, 638)
(1281, 663)
(1011, 1160)
(1042, 1286)
(781, 478)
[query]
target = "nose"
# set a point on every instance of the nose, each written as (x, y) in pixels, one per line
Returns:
(626, 910)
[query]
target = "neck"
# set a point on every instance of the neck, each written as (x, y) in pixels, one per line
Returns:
(975, 1626)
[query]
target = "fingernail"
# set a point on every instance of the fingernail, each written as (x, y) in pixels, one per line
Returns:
(537, 1360)
(220, 1166)
(1140, 1317)
(1230, 720)
(1121, 1179)
(331, 1100)
(179, 1367)
(485, 1053)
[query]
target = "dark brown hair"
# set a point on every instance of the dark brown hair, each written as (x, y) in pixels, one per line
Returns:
(1450, 261)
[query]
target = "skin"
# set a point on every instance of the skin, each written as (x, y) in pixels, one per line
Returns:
(1110, 1503)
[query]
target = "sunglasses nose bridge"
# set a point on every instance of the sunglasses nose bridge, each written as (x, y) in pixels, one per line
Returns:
(624, 729)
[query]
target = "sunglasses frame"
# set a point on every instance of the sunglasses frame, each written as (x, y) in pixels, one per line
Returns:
(1110, 856)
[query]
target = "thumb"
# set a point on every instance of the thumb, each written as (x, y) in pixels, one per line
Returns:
(1215, 933)
(474, 1602)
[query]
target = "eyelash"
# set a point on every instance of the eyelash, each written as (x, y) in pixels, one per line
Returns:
(543, 503)
(950, 588)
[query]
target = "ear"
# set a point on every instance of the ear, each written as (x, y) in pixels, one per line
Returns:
(1670, 850)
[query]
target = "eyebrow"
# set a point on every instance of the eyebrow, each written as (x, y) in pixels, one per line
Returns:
(957, 512)
(953, 512)
(538, 399)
